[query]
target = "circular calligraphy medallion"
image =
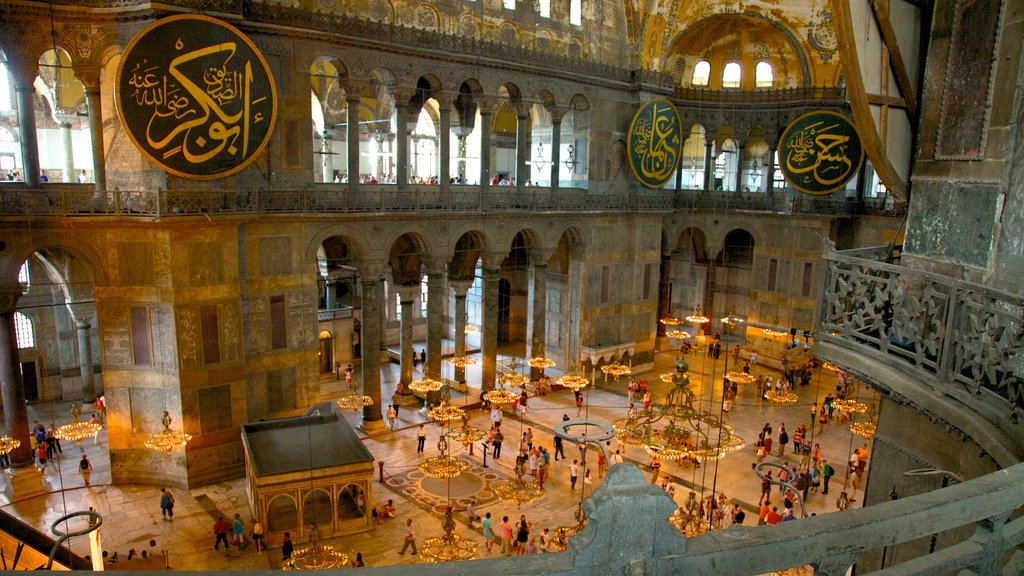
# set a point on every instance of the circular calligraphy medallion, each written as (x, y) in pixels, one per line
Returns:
(655, 142)
(820, 152)
(196, 96)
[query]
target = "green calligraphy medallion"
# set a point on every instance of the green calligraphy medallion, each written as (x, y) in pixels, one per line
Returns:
(820, 152)
(655, 142)
(196, 96)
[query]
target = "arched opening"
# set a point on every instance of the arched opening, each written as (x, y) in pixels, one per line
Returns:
(339, 304)
(732, 75)
(701, 74)
(733, 276)
(316, 509)
(329, 113)
(65, 143)
(326, 353)
(693, 159)
(24, 331)
(282, 514)
(351, 503)
(764, 76)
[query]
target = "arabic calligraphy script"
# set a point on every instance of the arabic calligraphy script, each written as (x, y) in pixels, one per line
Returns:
(196, 96)
(655, 142)
(820, 152)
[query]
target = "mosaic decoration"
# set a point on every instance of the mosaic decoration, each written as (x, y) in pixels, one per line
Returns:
(820, 152)
(196, 96)
(655, 142)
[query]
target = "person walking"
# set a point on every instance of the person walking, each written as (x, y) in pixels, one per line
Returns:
(573, 473)
(85, 469)
(220, 531)
(392, 416)
(421, 438)
(827, 472)
(238, 529)
(257, 535)
(286, 547)
(410, 538)
(488, 531)
(166, 504)
(559, 450)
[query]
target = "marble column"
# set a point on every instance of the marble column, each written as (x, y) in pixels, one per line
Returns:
(709, 173)
(460, 288)
(436, 291)
(489, 328)
(331, 298)
(664, 292)
(370, 327)
(556, 150)
(85, 359)
(15, 415)
(537, 313)
(485, 149)
(99, 163)
(68, 167)
(444, 139)
(770, 174)
(29, 144)
(575, 304)
(352, 138)
(402, 151)
(406, 297)
(522, 150)
(739, 168)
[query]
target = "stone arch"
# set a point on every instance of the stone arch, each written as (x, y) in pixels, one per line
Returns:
(575, 236)
(282, 513)
(406, 255)
(317, 509)
(577, 47)
(546, 97)
(81, 250)
(511, 89)
(427, 17)
(579, 102)
(382, 11)
(693, 240)
(335, 231)
(466, 250)
(469, 26)
(737, 249)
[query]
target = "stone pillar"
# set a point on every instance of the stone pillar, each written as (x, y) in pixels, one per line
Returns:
(664, 292)
(331, 298)
(15, 415)
(770, 176)
(556, 150)
(90, 77)
(739, 167)
(68, 167)
(444, 140)
(24, 77)
(85, 360)
(402, 148)
(352, 139)
(575, 305)
(709, 172)
(407, 295)
(460, 288)
(489, 327)
(371, 338)
(537, 312)
(436, 292)
(485, 148)
(522, 147)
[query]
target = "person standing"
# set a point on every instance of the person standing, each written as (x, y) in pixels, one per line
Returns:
(421, 438)
(506, 536)
(220, 530)
(257, 535)
(602, 464)
(85, 469)
(166, 504)
(559, 450)
(783, 440)
(392, 416)
(616, 458)
(410, 538)
(498, 439)
(286, 546)
(238, 529)
(358, 563)
(573, 473)
(488, 531)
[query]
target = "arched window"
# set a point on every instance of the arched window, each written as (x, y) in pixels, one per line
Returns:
(778, 179)
(23, 331)
(731, 75)
(23, 277)
(576, 12)
(5, 88)
(763, 75)
(545, 8)
(423, 296)
(509, 4)
(701, 73)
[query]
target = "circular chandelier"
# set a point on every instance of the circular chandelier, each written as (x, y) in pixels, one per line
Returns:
(354, 402)
(573, 381)
(560, 540)
(518, 490)
(677, 334)
(781, 396)
(851, 406)
(317, 556)
(513, 379)
(689, 519)
(740, 377)
(677, 429)
(425, 385)
(697, 318)
(831, 367)
(865, 429)
(773, 333)
(77, 430)
(450, 547)
(167, 440)
(616, 370)
(443, 466)
(445, 413)
(540, 362)
(671, 321)
(465, 434)
(500, 396)
(463, 361)
(8, 445)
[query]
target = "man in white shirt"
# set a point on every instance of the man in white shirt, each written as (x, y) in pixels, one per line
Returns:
(573, 474)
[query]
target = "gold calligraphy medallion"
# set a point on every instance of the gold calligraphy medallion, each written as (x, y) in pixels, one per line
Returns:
(196, 97)
(655, 142)
(820, 152)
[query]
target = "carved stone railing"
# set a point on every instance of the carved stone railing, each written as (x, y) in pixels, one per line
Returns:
(761, 95)
(949, 347)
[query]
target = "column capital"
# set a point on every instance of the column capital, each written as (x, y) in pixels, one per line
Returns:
(89, 75)
(9, 300)
(434, 267)
(486, 105)
(24, 73)
(445, 99)
(492, 260)
(354, 88)
(402, 95)
(460, 287)
(557, 112)
(522, 108)
(371, 271)
(407, 292)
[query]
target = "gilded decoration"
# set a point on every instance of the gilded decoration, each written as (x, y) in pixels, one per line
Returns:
(820, 152)
(196, 97)
(655, 142)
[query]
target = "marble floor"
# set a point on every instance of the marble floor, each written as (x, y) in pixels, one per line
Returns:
(132, 514)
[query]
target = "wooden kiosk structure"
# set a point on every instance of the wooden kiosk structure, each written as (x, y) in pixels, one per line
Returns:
(308, 470)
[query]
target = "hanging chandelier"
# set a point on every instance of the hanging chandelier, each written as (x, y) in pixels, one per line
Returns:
(450, 547)
(167, 440)
(671, 321)
(677, 334)
(500, 397)
(353, 400)
(781, 396)
(8, 445)
(443, 466)
(463, 361)
(445, 413)
(465, 434)
(616, 370)
(540, 362)
(513, 379)
(865, 429)
(317, 556)
(574, 381)
(77, 430)
(850, 406)
(740, 377)
(678, 429)
(831, 367)
(772, 333)
(697, 318)
(518, 490)
(690, 518)
(425, 385)
(562, 535)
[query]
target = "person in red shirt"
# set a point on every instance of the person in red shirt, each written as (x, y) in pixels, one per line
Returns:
(220, 530)
(774, 516)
